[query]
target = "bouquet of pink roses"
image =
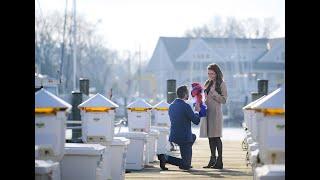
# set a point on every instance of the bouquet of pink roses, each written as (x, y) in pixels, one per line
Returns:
(196, 93)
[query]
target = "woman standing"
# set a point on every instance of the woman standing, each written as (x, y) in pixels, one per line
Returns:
(215, 95)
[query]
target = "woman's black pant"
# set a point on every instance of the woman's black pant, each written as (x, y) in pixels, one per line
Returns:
(215, 143)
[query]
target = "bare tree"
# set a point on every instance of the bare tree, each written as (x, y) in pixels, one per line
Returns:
(217, 27)
(252, 28)
(92, 56)
(199, 32)
(236, 28)
(214, 29)
(269, 27)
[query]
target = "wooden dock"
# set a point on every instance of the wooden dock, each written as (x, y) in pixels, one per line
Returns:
(233, 161)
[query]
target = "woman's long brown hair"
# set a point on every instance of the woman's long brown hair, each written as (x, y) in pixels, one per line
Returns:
(219, 78)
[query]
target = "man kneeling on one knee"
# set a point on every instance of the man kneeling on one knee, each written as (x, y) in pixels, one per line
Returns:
(181, 115)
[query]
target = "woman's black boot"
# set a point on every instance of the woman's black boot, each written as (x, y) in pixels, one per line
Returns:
(218, 164)
(211, 162)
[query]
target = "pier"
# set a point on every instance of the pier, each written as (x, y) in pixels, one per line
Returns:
(233, 160)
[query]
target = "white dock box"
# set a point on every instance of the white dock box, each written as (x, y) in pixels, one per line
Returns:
(98, 115)
(163, 140)
(47, 170)
(119, 148)
(97, 119)
(153, 143)
(139, 116)
(137, 150)
(248, 113)
(82, 161)
(270, 172)
(271, 134)
(161, 114)
(50, 128)
(106, 162)
(255, 125)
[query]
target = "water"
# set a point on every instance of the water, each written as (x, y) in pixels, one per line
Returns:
(228, 133)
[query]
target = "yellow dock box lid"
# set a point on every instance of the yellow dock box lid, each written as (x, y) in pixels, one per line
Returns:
(46, 102)
(139, 105)
(97, 103)
(272, 104)
(162, 106)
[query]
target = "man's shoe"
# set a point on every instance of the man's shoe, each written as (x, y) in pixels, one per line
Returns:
(186, 169)
(162, 160)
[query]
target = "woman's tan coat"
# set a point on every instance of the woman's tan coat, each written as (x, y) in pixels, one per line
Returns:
(214, 111)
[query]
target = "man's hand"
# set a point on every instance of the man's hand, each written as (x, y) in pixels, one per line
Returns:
(197, 107)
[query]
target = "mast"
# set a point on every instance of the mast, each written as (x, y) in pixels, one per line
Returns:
(74, 45)
(62, 46)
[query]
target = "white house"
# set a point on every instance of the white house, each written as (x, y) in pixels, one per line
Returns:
(242, 62)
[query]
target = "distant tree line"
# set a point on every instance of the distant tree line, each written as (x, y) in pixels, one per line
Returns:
(232, 27)
(53, 53)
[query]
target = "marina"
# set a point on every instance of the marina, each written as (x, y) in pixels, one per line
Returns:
(111, 114)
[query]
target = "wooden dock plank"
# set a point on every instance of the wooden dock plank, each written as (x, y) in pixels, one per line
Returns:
(233, 161)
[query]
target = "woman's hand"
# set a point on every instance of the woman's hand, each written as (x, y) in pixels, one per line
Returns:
(213, 91)
(214, 94)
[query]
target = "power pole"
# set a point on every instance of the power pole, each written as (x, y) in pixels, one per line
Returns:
(62, 47)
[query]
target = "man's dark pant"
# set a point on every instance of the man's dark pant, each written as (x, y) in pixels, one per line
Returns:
(186, 154)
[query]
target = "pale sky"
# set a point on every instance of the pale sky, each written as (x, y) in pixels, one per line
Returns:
(126, 24)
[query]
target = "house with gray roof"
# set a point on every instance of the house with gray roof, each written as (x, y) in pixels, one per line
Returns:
(242, 62)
